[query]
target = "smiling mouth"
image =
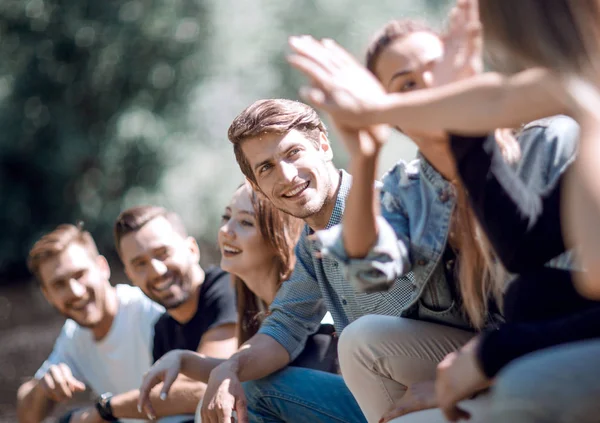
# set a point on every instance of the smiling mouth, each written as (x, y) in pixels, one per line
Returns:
(164, 285)
(229, 250)
(296, 191)
(80, 305)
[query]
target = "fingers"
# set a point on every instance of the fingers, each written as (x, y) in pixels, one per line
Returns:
(74, 384)
(318, 75)
(59, 384)
(315, 96)
(314, 50)
(170, 377)
(241, 409)
(144, 405)
(454, 413)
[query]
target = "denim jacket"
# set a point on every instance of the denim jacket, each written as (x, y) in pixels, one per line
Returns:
(416, 207)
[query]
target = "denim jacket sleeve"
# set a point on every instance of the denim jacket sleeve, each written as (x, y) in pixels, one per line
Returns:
(298, 308)
(388, 258)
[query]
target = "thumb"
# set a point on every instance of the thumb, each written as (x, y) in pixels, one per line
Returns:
(313, 95)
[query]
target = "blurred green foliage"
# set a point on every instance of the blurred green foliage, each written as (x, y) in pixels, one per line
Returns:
(105, 104)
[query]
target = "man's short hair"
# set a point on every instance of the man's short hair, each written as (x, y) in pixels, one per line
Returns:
(57, 241)
(132, 220)
(272, 116)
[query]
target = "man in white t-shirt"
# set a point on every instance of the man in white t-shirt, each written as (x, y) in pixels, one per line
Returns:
(106, 343)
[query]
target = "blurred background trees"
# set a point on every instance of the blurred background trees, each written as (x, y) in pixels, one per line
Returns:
(106, 104)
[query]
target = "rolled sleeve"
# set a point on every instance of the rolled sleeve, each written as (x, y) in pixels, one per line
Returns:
(381, 266)
(298, 308)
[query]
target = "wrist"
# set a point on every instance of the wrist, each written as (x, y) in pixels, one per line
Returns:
(104, 407)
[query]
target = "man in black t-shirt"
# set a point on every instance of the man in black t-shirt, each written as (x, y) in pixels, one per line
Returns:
(215, 307)
(162, 260)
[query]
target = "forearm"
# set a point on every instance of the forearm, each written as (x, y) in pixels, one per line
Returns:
(32, 405)
(511, 341)
(258, 358)
(183, 398)
(198, 366)
(359, 222)
(476, 105)
(581, 209)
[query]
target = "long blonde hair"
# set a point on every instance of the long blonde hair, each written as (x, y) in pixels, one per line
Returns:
(480, 276)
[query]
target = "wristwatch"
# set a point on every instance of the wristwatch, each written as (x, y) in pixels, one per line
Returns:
(104, 408)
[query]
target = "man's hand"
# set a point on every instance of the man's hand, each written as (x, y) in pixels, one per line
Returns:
(87, 415)
(58, 384)
(224, 394)
(463, 45)
(459, 377)
(341, 86)
(419, 396)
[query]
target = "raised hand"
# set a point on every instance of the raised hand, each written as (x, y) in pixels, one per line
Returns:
(59, 384)
(341, 86)
(463, 44)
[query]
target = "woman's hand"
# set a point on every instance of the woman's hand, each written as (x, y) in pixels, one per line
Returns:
(341, 86)
(165, 370)
(459, 377)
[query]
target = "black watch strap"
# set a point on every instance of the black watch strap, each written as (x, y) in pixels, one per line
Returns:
(104, 408)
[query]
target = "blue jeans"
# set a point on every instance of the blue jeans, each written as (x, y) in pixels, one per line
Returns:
(558, 385)
(297, 394)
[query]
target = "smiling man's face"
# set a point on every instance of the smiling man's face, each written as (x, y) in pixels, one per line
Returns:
(75, 283)
(292, 171)
(161, 262)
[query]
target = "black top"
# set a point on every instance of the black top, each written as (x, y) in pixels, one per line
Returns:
(542, 308)
(216, 307)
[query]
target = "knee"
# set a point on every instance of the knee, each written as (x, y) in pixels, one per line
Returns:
(356, 336)
(520, 394)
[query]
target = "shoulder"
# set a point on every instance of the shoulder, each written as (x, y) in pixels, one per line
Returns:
(557, 136)
(217, 284)
(397, 182)
(133, 300)
(70, 330)
(402, 173)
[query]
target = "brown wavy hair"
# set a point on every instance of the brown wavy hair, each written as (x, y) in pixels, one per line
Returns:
(480, 276)
(281, 232)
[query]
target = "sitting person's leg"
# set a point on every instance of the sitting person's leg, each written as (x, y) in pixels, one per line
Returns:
(558, 385)
(380, 356)
(297, 394)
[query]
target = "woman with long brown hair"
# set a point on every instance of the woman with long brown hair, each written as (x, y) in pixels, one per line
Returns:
(459, 284)
(257, 249)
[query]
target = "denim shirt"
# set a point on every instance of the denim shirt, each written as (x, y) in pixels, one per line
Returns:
(416, 207)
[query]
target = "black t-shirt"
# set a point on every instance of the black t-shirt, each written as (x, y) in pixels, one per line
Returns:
(216, 307)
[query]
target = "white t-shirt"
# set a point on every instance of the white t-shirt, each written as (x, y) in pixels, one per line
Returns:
(118, 362)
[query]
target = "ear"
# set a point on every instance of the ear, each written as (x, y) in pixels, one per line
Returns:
(325, 146)
(103, 267)
(194, 248)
